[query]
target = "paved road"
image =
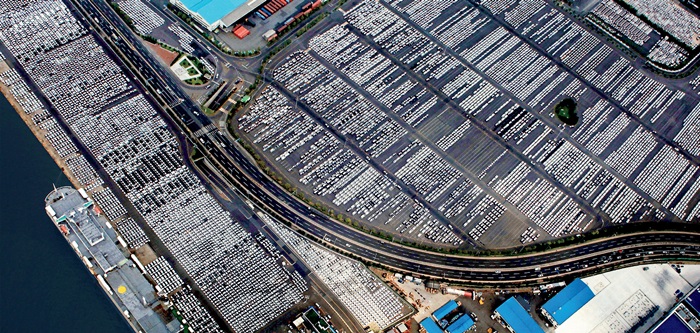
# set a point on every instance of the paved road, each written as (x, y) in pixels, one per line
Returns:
(552, 266)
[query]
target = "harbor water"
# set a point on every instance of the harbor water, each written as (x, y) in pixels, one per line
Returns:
(44, 287)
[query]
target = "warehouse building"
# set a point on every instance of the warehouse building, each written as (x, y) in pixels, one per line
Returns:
(447, 319)
(684, 317)
(514, 317)
(566, 302)
(444, 310)
(429, 325)
(461, 325)
(213, 14)
(693, 300)
(637, 299)
(673, 324)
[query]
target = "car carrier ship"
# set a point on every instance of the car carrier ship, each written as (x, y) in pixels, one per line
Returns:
(105, 255)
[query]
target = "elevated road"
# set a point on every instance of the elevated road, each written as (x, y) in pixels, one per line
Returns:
(247, 180)
(633, 249)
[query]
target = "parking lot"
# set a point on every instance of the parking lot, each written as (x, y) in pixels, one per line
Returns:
(118, 128)
(418, 116)
(367, 298)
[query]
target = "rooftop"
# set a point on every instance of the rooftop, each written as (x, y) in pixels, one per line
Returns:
(693, 300)
(672, 324)
(623, 296)
(444, 310)
(569, 300)
(215, 10)
(513, 313)
(430, 325)
(460, 325)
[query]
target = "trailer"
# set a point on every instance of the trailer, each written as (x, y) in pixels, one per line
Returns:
(465, 293)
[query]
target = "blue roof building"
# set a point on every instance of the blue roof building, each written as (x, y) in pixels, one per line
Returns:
(517, 318)
(430, 326)
(567, 301)
(444, 310)
(460, 325)
(217, 13)
(672, 324)
(694, 300)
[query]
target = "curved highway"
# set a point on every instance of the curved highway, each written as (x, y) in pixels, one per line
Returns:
(244, 175)
(533, 268)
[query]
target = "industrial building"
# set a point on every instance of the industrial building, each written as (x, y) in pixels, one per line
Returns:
(684, 317)
(447, 319)
(636, 299)
(213, 14)
(566, 302)
(673, 324)
(461, 325)
(429, 325)
(444, 310)
(515, 318)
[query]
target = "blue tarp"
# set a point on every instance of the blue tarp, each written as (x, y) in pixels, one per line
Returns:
(568, 301)
(694, 300)
(430, 325)
(673, 325)
(460, 325)
(513, 313)
(212, 10)
(444, 310)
